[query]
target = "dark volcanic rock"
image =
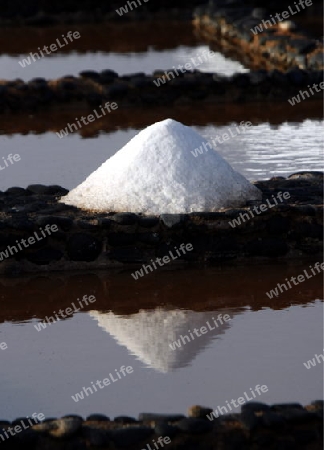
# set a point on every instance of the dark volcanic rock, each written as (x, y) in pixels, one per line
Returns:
(127, 255)
(83, 247)
(293, 227)
(45, 256)
(165, 430)
(194, 426)
(65, 223)
(130, 436)
(160, 417)
(267, 247)
(255, 407)
(98, 418)
(96, 437)
(291, 427)
(125, 218)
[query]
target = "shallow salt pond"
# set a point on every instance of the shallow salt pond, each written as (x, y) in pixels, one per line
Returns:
(132, 323)
(261, 152)
(59, 65)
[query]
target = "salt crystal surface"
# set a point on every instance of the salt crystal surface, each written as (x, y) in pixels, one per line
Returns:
(155, 173)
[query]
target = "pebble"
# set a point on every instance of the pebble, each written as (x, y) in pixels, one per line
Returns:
(96, 437)
(273, 420)
(98, 417)
(125, 218)
(83, 247)
(66, 427)
(199, 411)
(172, 220)
(164, 429)
(124, 420)
(255, 407)
(146, 417)
(194, 426)
(130, 436)
(249, 420)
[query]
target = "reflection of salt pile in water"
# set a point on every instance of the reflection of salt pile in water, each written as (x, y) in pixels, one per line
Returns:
(148, 334)
(156, 173)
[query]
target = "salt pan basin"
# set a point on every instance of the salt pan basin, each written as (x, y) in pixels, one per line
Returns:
(156, 172)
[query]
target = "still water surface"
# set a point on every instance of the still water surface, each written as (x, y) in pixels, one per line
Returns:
(59, 65)
(132, 323)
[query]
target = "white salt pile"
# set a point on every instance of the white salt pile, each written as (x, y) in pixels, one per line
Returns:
(156, 173)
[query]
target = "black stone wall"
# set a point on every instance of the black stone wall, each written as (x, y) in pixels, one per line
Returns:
(291, 230)
(134, 90)
(258, 426)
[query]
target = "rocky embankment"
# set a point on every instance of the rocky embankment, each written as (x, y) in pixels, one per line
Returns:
(163, 88)
(287, 60)
(258, 426)
(290, 229)
(268, 41)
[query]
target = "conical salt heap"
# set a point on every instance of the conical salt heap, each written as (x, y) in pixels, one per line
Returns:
(156, 173)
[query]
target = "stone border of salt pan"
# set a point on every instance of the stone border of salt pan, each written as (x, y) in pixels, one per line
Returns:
(154, 173)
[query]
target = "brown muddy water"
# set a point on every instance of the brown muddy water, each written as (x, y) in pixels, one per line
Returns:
(132, 323)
